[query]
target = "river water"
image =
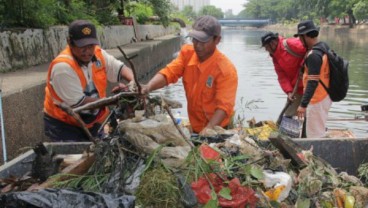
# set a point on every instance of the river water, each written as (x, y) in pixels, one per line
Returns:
(259, 95)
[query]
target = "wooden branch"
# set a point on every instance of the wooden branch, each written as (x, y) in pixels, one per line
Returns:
(288, 150)
(76, 116)
(166, 107)
(103, 102)
(133, 68)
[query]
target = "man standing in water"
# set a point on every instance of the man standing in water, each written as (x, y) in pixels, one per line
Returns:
(315, 102)
(210, 79)
(287, 57)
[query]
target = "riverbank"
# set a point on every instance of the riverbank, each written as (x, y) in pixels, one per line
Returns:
(325, 29)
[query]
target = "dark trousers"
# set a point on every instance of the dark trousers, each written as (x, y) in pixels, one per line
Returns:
(59, 131)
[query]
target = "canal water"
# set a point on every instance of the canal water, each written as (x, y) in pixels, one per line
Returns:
(259, 95)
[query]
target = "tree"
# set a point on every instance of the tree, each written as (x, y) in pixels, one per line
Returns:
(23, 13)
(360, 10)
(211, 10)
(162, 8)
(189, 12)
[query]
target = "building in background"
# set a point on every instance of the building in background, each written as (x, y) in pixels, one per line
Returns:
(196, 4)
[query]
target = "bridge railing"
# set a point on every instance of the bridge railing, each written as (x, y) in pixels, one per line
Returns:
(245, 22)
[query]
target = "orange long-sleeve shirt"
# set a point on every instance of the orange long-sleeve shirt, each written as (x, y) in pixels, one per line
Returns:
(209, 85)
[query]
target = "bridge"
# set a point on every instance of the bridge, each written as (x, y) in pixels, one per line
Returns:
(235, 22)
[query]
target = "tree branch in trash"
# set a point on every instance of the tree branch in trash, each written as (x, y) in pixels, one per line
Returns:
(63, 106)
(103, 102)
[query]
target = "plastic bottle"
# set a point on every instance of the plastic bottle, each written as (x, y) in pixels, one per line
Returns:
(178, 117)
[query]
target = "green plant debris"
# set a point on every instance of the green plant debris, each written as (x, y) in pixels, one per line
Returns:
(158, 188)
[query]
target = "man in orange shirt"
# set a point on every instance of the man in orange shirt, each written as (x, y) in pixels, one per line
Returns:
(210, 79)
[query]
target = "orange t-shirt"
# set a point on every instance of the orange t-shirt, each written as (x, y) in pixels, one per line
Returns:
(324, 76)
(209, 85)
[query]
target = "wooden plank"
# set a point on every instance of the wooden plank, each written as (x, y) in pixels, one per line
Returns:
(288, 150)
(68, 159)
(78, 168)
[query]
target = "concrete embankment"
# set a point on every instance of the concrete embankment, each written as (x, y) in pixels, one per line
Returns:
(333, 30)
(25, 56)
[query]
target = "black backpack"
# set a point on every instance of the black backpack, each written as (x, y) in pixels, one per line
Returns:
(339, 78)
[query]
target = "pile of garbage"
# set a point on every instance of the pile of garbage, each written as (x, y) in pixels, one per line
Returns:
(154, 162)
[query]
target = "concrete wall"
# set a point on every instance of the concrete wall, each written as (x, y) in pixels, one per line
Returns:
(24, 48)
(23, 90)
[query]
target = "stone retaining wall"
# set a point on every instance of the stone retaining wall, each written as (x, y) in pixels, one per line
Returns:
(20, 49)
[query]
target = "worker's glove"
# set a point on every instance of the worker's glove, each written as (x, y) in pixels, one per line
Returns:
(132, 86)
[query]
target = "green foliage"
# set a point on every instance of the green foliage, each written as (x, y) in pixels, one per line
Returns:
(104, 12)
(211, 10)
(44, 13)
(158, 188)
(363, 172)
(75, 9)
(189, 12)
(286, 10)
(23, 13)
(188, 21)
(360, 10)
(141, 11)
(161, 8)
(244, 14)
(225, 193)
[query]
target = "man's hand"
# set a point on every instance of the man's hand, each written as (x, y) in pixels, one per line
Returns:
(207, 132)
(121, 87)
(145, 89)
(291, 97)
(301, 112)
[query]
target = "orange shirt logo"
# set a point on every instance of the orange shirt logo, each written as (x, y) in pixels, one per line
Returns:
(209, 81)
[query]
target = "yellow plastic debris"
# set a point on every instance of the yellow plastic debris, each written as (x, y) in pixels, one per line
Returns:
(262, 133)
(349, 201)
(274, 193)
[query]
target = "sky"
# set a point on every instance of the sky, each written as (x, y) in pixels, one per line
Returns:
(235, 5)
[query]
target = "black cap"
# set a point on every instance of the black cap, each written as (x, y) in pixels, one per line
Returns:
(305, 27)
(267, 37)
(83, 33)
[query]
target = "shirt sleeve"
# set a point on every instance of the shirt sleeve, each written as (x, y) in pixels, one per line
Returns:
(66, 84)
(314, 63)
(174, 70)
(227, 86)
(113, 67)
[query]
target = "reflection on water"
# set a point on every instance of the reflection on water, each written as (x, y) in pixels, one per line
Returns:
(258, 81)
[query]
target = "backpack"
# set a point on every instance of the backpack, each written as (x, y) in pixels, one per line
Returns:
(339, 78)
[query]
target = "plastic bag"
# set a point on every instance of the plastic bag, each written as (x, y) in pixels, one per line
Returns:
(291, 127)
(61, 198)
(240, 195)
